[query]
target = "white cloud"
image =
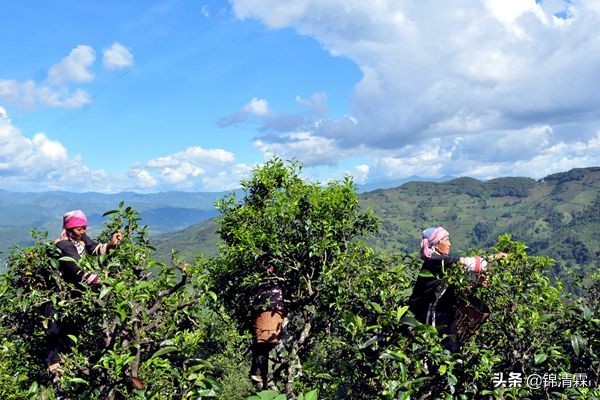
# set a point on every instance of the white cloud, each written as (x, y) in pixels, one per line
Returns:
(51, 150)
(195, 168)
(535, 153)
(508, 11)
(227, 179)
(316, 104)
(74, 67)
(257, 106)
(143, 178)
(54, 91)
(41, 163)
(117, 56)
(4, 114)
(361, 173)
(311, 149)
(254, 108)
(19, 153)
(31, 95)
(182, 175)
(462, 80)
(194, 155)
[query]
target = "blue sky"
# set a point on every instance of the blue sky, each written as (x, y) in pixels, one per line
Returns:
(152, 96)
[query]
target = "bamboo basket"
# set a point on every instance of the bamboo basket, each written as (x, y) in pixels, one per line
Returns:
(267, 327)
(469, 317)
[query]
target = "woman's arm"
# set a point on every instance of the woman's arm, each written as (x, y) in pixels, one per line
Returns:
(475, 264)
(95, 248)
(478, 264)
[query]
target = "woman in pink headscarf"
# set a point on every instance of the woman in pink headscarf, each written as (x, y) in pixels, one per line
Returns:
(432, 301)
(73, 243)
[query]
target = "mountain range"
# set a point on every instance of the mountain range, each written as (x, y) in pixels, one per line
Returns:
(557, 216)
(162, 212)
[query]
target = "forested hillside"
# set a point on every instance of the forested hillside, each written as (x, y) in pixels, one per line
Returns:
(144, 329)
(556, 216)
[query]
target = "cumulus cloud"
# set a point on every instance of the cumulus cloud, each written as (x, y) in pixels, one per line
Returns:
(254, 108)
(360, 173)
(313, 150)
(74, 67)
(534, 154)
(143, 178)
(257, 107)
(55, 90)
(30, 95)
(3, 114)
(276, 128)
(195, 168)
(18, 153)
(42, 163)
(257, 111)
(117, 56)
(461, 80)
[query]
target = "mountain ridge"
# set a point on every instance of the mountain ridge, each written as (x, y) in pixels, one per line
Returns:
(556, 216)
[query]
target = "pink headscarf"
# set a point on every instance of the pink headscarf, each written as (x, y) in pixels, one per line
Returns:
(73, 219)
(431, 237)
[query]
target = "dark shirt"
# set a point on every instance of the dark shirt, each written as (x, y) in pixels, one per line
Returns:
(269, 299)
(428, 286)
(69, 269)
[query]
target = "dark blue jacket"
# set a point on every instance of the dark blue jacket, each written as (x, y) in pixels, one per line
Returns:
(69, 269)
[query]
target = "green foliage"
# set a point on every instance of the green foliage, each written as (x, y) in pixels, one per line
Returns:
(181, 327)
(363, 342)
(274, 395)
(374, 349)
(514, 187)
(303, 232)
(147, 320)
(540, 213)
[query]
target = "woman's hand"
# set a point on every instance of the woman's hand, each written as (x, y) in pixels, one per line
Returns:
(116, 239)
(483, 280)
(90, 279)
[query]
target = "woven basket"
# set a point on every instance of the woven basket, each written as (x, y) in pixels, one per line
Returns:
(267, 327)
(469, 317)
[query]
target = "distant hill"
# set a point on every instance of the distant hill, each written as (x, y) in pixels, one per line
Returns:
(390, 184)
(557, 216)
(188, 243)
(162, 212)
